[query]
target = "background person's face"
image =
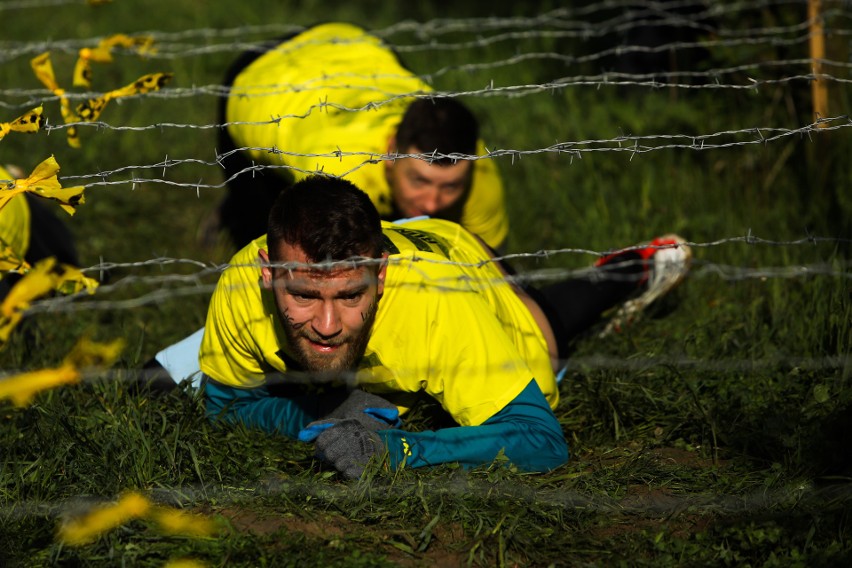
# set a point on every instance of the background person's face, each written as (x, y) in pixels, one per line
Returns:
(421, 188)
(327, 315)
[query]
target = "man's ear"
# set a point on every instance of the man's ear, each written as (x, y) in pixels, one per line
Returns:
(265, 269)
(383, 271)
(391, 150)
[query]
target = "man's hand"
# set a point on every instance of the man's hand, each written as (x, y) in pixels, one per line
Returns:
(348, 446)
(371, 411)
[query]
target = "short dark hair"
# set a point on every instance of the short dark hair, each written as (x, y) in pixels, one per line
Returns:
(438, 124)
(329, 218)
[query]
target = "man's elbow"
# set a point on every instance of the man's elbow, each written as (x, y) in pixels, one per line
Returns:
(553, 455)
(559, 453)
(551, 452)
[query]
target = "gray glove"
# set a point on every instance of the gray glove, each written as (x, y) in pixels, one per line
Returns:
(371, 411)
(348, 446)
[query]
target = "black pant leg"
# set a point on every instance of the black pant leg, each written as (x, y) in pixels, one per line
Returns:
(575, 305)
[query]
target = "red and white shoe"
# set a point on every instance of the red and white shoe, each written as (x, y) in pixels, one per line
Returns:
(666, 262)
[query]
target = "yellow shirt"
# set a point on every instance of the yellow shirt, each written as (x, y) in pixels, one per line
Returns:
(447, 324)
(337, 88)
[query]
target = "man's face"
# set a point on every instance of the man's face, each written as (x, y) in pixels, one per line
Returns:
(421, 188)
(327, 314)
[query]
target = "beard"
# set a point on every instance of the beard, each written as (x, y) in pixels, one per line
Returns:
(339, 366)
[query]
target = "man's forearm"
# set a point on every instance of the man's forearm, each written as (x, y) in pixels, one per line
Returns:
(256, 408)
(526, 430)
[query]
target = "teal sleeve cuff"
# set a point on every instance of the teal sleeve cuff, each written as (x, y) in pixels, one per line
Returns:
(526, 431)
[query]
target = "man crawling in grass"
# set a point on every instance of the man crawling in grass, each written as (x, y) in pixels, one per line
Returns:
(327, 328)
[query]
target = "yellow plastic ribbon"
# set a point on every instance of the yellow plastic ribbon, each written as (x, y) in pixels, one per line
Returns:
(173, 521)
(102, 53)
(132, 506)
(40, 280)
(31, 121)
(88, 528)
(21, 389)
(35, 284)
(88, 354)
(9, 259)
(185, 563)
(83, 70)
(43, 181)
(43, 69)
(71, 280)
(92, 109)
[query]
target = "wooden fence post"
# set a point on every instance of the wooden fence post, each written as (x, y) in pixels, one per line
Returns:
(819, 90)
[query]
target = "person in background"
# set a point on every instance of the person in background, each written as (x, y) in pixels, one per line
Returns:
(32, 232)
(336, 99)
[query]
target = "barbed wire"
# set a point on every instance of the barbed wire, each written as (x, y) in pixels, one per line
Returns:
(518, 57)
(607, 77)
(196, 287)
(34, 97)
(802, 495)
(625, 143)
(604, 5)
(655, 79)
(207, 268)
(791, 366)
(529, 29)
(655, 14)
(198, 284)
(425, 29)
(748, 239)
(751, 37)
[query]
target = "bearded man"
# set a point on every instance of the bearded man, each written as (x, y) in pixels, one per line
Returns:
(334, 295)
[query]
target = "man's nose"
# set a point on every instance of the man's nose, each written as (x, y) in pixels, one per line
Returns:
(431, 200)
(326, 321)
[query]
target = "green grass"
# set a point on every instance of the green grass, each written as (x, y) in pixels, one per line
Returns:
(711, 433)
